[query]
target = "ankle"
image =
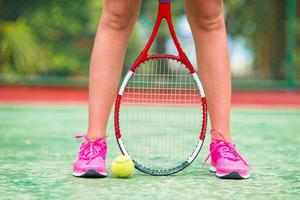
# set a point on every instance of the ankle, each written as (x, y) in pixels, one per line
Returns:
(93, 135)
(218, 135)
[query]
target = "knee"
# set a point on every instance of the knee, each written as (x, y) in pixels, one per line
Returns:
(207, 15)
(119, 14)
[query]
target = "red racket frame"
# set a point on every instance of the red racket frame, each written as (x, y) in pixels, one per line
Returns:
(164, 12)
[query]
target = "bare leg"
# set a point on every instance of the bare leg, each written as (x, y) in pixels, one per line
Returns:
(110, 45)
(209, 32)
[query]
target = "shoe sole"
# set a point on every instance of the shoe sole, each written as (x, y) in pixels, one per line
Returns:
(230, 175)
(90, 174)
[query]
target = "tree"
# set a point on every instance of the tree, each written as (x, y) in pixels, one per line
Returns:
(263, 24)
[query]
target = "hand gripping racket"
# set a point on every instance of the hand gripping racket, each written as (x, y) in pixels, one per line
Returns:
(160, 111)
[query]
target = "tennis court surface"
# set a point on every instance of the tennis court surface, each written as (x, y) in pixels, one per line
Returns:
(37, 150)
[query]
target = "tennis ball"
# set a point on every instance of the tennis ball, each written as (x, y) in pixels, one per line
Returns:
(122, 167)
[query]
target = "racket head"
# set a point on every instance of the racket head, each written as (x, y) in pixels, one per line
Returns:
(161, 115)
(161, 111)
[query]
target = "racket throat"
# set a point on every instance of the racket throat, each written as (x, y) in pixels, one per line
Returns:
(164, 10)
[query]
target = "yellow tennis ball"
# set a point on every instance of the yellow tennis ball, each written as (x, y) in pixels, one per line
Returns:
(122, 167)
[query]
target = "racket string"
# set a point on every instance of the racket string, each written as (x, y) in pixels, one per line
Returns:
(163, 113)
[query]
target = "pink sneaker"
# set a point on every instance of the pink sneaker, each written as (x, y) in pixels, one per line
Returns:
(91, 158)
(226, 162)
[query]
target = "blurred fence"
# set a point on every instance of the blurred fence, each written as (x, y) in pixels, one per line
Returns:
(50, 42)
(269, 32)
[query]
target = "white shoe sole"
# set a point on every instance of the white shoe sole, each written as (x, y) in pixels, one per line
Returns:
(230, 175)
(90, 174)
(212, 169)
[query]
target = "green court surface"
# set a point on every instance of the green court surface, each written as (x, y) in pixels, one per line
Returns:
(37, 150)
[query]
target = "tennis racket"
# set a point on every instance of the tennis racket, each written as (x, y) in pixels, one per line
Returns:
(160, 110)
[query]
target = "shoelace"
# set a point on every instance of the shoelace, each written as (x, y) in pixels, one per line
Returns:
(229, 150)
(88, 151)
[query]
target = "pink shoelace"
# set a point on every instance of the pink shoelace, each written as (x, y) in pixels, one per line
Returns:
(91, 149)
(228, 150)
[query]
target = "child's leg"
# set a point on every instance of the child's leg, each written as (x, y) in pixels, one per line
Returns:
(208, 27)
(110, 45)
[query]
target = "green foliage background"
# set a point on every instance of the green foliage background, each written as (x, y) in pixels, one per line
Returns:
(43, 37)
(47, 37)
